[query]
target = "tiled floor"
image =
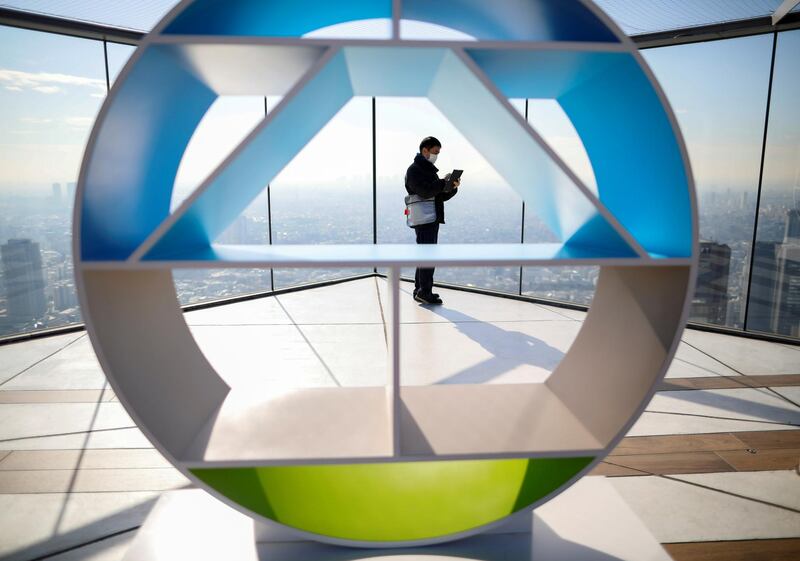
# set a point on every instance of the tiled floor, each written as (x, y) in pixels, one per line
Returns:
(713, 459)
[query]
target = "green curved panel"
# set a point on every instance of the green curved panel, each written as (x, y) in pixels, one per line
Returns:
(392, 501)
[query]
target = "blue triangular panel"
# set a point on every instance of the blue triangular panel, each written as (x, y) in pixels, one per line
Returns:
(286, 132)
(598, 234)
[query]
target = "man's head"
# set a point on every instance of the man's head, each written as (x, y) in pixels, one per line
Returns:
(430, 148)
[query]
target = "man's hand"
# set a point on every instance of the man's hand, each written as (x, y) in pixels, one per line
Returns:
(455, 183)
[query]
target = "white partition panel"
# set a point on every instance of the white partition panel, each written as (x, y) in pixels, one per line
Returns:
(396, 465)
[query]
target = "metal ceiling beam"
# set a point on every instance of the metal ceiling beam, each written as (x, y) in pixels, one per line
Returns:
(88, 30)
(64, 26)
(727, 30)
(783, 10)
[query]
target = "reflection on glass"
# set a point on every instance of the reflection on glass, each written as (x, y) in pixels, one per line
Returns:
(718, 91)
(51, 88)
(775, 287)
(485, 210)
(118, 55)
(224, 126)
(222, 129)
(324, 195)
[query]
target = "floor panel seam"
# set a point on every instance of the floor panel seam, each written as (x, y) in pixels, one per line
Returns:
(85, 544)
(797, 539)
(308, 342)
(740, 373)
(81, 336)
(718, 417)
(68, 434)
(733, 467)
(33, 470)
(706, 487)
(383, 316)
(69, 493)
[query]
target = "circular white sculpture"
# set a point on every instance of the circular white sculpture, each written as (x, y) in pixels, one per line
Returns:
(402, 464)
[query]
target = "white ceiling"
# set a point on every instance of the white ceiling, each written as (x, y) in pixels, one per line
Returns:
(634, 16)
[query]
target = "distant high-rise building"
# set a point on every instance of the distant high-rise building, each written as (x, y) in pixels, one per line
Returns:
(23, 280)
(238, 232)
(743, 200)
(71, 188)
(64, 297)
(792, 231)
(761, 307)
(786, 314)
(710, 304)
(775, 289)
(57, 192)
(786, 310)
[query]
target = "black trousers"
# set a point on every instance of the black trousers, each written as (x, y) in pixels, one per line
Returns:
(423, 279)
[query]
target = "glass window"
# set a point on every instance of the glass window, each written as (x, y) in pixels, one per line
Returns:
(226, 123)
(564, 283)
(118, 55)
(775, 287)
(324, 195)
(485, 210)
(224, 126)
(718, 91)
(51, 88)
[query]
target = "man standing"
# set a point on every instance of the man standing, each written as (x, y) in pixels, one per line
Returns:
(422, 180)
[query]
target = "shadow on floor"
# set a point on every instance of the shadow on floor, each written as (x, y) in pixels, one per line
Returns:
(96, 532)
(741, 406)
(509, 349)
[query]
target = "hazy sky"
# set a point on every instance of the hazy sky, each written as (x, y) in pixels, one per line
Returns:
(782, 162)
(51, 88)
(718, 90)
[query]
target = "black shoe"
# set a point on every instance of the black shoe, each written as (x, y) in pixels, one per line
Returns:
(427, 298)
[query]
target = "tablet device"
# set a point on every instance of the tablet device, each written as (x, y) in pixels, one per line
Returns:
(455, 176)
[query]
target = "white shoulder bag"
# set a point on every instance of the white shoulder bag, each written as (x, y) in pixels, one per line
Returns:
(420, 211)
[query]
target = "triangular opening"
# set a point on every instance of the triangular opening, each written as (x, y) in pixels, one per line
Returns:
(548, 118)
(499, 140)
(522, 157)
(245, 172)
(226, 123)
(322, 196)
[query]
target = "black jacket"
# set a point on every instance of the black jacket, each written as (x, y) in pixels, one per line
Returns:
(421, 179)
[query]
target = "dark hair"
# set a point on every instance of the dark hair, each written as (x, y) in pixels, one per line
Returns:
(429, 142)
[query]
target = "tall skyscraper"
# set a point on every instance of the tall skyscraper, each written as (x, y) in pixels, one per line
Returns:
(63, 288)
(71, 188)
(775, 289)
(23, 280)
(761, 307)
(710, 303)
(64, 295)
(792, 231)
(786, 314)
(786, 317)
(57, 192)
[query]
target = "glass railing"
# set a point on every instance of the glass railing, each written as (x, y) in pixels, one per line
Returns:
(745, 165)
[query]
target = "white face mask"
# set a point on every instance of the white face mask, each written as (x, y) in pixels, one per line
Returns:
(432, 158)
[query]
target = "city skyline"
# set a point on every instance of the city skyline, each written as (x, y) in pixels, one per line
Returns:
(313, 225)
(52, 86)
(54, 94)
